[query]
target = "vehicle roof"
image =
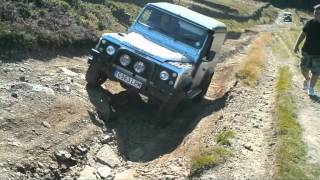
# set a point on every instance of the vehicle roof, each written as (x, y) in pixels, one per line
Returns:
(205, 21)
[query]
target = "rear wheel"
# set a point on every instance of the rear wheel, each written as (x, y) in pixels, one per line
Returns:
(94, 75)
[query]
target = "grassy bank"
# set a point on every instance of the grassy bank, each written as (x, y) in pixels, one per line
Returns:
(268, 16)
(291, 156)
(206, 157)
(289, 38)
(251, 66)
(54, 24)
(60, 23)
(290, 151)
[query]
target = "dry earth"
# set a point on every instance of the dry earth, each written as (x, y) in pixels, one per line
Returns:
(49, 123)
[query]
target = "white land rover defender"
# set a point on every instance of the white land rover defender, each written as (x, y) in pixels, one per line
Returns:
(168, 60)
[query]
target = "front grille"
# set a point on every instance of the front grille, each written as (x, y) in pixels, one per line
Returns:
(149, 66)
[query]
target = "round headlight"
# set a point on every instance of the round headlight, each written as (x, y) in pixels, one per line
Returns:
(139, 67)
(125, 60)
(164, 75)
(103, 41)
(110, 50)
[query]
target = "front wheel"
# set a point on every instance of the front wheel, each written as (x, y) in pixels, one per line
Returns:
(204, 88)
(94, 75)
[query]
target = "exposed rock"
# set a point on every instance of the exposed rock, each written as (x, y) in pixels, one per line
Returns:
(127, 175)
(23, 78)
(107, 138)
(46, 124)
(104, 171)
(40, 88)
(107, 156)
(248, 147)
(15, 95)
(40, 165)
(87, 174)
(15, 143)
(66, 88)
(82, 149)
(63, 155)
(68, 72)
(256, 125)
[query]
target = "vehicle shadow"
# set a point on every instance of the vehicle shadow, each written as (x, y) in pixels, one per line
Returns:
(138, 137)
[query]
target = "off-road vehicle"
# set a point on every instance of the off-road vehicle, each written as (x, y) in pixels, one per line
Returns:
(168, 54)
(287, 17)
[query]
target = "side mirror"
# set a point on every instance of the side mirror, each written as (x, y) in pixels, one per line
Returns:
(210, 55)
(126, 19)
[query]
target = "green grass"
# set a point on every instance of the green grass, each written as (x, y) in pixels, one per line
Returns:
(290, 150)
(243, 7)
(56, 24)
(278, 49)
(290, 36)
(60, 23)
(207, 157)
(252, 65)
(268, 16)
(224, 137)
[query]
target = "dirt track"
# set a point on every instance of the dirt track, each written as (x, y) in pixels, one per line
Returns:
(45, 110)
(50, 128)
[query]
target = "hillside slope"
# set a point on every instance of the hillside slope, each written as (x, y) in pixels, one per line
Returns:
(56, 24)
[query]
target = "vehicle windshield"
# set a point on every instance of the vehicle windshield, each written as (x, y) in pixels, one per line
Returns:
(173, 27)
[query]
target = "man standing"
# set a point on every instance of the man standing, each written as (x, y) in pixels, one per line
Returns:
(310, 60)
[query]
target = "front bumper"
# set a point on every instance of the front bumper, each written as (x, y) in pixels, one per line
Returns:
(128, 79)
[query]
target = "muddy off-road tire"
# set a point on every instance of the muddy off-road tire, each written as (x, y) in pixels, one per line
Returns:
(204, 88)
(94, 76)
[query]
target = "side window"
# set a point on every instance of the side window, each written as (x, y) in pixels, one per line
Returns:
(146, 17)
(191, 34)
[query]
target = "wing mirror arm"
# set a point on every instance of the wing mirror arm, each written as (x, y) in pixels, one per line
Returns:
(126, 20)
(210, 55)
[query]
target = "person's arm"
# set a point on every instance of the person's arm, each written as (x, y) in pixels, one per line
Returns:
(298, 42)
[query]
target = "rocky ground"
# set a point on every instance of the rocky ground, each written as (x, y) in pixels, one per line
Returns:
(50, 128)
(250, 114)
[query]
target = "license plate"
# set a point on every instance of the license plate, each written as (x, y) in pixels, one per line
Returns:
(127, 79)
